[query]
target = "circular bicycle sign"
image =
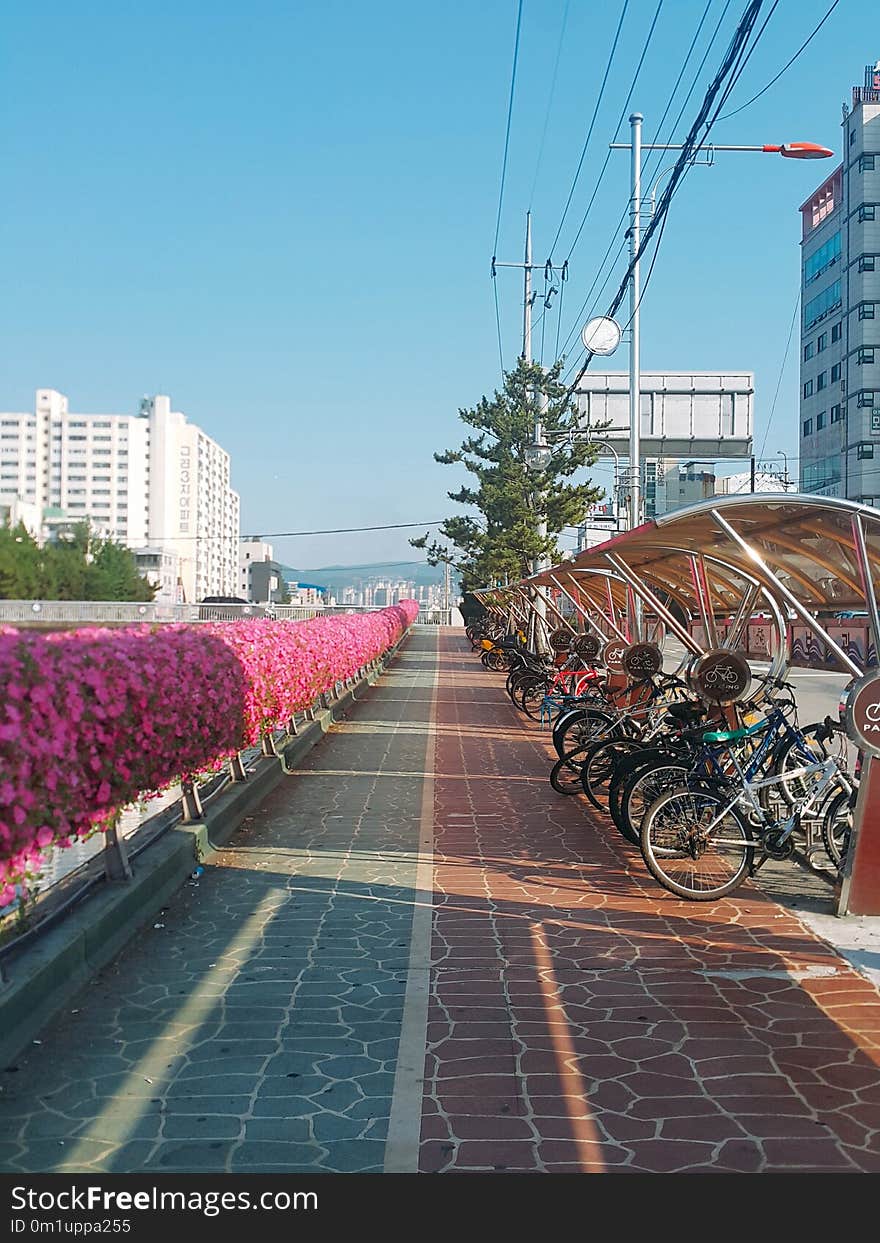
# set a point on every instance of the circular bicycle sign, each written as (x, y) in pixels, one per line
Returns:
(860, 711)
(559, 639)
(612, 655)
(721, 677)
(642, 660)
(586, 646)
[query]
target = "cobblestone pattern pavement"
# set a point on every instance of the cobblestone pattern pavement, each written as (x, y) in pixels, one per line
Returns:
(255, 1028)
(582, 1019)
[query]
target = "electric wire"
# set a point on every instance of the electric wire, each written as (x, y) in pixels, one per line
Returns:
(794, 316)
(733, 62)
(658, 155)
(550, 101)
(507, 130)
(390, 526)
(592, 124)
(788, 64)
(620, 121)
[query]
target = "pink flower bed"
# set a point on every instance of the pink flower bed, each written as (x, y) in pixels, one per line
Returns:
(91, 719)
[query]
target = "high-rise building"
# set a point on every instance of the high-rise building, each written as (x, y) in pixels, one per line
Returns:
(151, 480)
(840, 313)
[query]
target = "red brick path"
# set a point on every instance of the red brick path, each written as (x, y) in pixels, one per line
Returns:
(583, 1019)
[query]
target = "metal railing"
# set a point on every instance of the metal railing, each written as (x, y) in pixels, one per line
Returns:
(110, 612)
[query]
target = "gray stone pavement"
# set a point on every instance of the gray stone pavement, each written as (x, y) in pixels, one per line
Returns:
(256, 1027)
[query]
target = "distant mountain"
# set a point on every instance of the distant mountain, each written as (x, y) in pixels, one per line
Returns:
(337, 576)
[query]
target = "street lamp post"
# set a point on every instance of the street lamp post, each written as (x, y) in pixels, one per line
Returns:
(784, 457)
(791, 151)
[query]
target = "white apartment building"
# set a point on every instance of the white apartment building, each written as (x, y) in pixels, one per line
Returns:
(251, 550)
(840, 317)
(150, 480)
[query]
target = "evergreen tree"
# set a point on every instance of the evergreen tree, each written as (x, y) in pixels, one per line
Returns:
(512, 485)
(82, 566)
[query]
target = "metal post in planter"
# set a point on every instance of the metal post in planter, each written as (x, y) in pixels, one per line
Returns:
(267, 746)
(292, 727)
(236, 768)
(192, 803)
(310, 712)
(116, 861)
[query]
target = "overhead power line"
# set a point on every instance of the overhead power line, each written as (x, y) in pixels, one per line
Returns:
(550, 100)
(732, 64)
(620, 121)
(507, 130)
(788, 64)
(655, 155)
(390, 526)
(592, 124)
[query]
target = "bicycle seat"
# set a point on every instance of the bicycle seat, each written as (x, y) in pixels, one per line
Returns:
(734, 735)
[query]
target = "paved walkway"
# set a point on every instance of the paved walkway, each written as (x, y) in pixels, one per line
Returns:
(416, 956)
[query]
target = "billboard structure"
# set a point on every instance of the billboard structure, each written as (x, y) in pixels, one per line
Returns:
(685, 414)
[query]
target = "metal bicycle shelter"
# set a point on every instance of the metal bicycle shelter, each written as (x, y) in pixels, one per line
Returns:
(700, 574)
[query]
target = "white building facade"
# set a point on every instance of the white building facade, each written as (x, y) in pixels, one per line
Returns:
(840, 314)
(150, 480)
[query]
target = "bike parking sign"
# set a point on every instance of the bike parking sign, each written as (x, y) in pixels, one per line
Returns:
(860, 709)
(586, 646)
(642, 660)
(612, 655)
(721, 677)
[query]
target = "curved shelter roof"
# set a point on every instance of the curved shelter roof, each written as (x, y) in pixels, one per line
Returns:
(813, 555)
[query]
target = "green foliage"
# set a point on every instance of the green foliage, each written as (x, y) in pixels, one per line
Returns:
(511, 490)
(82, 567)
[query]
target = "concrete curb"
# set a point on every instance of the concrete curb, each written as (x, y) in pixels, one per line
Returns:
(48, 973)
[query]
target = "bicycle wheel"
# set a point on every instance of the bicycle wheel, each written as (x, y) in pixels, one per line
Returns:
(794, 753)
(531, 697)
(600, 765)
(583, 728)
(837, 826)
(643, 787)
(565, 776)
(695, 844)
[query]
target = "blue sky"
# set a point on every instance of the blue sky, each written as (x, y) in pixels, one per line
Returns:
(282, 214)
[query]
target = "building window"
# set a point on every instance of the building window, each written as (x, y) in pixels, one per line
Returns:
(865, 450)
(821, 342)
(852, 135)
(866, 354)
(835, 372)
(866, 212)
(866, 310)
(808, 427)
(808, 351)
(808, 388)
(836, 332)
(866, 263)
(865, 399)
(820, 421)
(822, 258)
(817, 308)
(866, 163)
(835, 414)
(821, 381)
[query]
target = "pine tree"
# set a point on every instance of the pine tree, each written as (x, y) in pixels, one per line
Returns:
(512, 485)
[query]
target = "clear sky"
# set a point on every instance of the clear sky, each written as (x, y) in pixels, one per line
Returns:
(281, 212)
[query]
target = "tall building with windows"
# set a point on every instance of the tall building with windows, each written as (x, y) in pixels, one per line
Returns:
(151, 480)
(840, 313)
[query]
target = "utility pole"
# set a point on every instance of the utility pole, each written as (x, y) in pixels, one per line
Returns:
(635, 367)
(539, 441)
(635, 373)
